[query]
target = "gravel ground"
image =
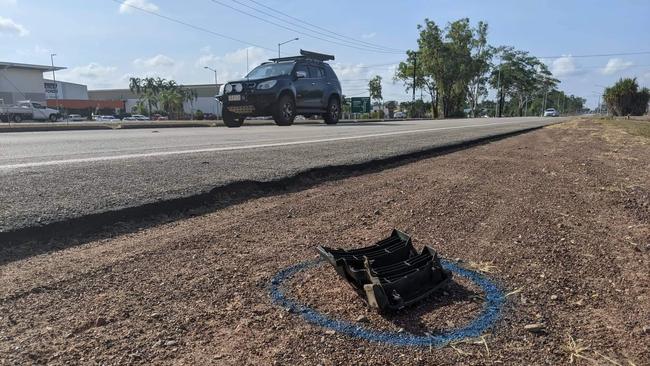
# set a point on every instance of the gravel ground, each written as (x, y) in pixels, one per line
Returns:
(558, 217)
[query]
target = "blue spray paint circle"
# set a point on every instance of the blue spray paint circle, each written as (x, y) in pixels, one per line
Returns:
(494, 300)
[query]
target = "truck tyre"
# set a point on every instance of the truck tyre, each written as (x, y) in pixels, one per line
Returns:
(232, 120)
(284, 111)
(53, 117)
(17, 118)
(333, 113)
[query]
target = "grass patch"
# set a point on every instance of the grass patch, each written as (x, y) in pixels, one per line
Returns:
(633, 127)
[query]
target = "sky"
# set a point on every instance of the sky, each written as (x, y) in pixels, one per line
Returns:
(103, 43)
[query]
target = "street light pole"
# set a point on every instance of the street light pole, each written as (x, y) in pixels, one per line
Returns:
(215, 75)
(498, 106)
(280, 44)
(56, 91)
(216, 85)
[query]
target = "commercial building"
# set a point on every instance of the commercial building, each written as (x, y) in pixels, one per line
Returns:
(205, 100)
(23, 82)
(20, 81)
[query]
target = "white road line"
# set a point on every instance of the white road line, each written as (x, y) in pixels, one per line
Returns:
(231, 148)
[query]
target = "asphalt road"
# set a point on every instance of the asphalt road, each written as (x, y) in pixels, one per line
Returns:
(52, 176)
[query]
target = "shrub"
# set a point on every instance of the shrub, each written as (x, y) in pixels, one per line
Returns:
(199, 115)
(625, 98)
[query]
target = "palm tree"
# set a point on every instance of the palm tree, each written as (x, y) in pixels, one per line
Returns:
(150, 89)
(135, 85)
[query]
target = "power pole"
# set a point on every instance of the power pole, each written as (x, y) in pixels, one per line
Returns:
(415, 67)
(56, 91)
(497, 112)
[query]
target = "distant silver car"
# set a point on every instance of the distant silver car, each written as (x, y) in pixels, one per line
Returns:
(551, 112)
(399, 114)
(76, 118)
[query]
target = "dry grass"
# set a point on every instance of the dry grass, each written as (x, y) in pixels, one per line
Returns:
(483, 267)
(575, 349)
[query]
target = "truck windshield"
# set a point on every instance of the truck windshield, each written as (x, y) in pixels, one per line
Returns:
(270, 70)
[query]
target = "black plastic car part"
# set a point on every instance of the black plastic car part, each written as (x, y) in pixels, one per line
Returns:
(390, 274)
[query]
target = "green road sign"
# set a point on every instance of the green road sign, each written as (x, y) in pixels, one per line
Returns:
(360, 104)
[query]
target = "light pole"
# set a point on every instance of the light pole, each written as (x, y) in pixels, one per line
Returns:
(56, 91)
(600, 109)
(216, 85)
(498, 106)
(215, 75)
(280, 44)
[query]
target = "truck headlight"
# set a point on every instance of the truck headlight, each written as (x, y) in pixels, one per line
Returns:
(238, 87)
(228, 88)
(267, 84)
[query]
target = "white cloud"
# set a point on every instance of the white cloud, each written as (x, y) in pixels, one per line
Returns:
(564, 66)
(232, 65)
(156, 61)
(129, 5)
(368, 35)
(94, 75)
(615, 65)
(9, 27)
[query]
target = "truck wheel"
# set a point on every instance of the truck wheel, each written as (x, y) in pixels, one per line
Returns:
(17, 118)
(232, 120)
(53, 117)
(333, 113)
(284, 111)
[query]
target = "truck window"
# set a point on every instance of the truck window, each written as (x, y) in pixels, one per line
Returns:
(316, 72)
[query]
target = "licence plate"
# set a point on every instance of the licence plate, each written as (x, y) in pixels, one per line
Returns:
(234, 98)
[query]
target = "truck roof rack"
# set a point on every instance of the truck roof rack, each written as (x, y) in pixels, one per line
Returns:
(305, 55)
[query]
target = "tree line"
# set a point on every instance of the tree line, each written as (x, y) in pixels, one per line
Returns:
(455, 65)
(160, 95)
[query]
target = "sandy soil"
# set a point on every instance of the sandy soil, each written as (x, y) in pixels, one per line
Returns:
(559, 217)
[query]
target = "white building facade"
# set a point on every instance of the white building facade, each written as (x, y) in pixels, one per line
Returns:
(23, 82)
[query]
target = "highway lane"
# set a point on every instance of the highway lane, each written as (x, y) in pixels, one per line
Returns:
(51, 176)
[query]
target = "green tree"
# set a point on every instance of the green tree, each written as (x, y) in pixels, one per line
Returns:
(481, 55)
(374, 87)
(519, 77)
(624, 98)
(412, 74)
(449, 60)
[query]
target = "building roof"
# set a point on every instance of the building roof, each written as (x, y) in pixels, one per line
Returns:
(62, 82)
(16, 65)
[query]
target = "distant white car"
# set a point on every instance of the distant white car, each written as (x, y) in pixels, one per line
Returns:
(130, 118)
(399, 114)
(107, 119)
(551, 112)
(139, 117)
(76, 118)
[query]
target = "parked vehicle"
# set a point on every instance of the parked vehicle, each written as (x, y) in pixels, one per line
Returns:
(399, 114)
(140, 117)
(283, 88)
(129, 118)
(159, 117)
(27, 109)
(107, 119)
(76, 118)
(551, 112)
(210, 116)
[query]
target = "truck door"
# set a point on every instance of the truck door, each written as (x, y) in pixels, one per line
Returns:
(318, 86)
(38, 111)
(302, 85)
